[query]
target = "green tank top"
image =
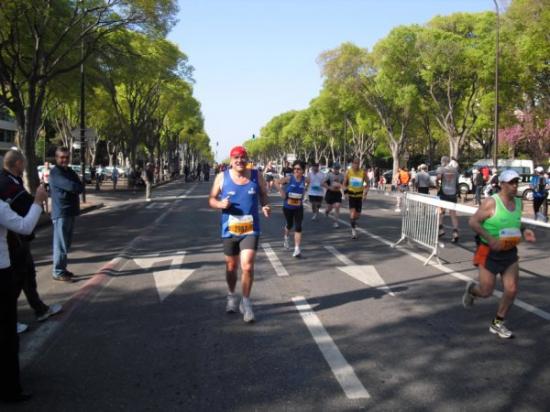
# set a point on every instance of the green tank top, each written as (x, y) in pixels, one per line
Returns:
(504, 224)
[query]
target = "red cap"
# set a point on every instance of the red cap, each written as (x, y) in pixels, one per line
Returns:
(238, 151)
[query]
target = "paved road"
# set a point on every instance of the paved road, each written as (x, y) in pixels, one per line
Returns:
(150, 333)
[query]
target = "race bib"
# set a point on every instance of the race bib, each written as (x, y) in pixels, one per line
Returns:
(356, 182)
(509, 238)
(316, 189)
(294, 199)
(241, 225)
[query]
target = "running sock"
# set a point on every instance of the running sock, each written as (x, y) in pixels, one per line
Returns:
(498, 319)
(246, 300)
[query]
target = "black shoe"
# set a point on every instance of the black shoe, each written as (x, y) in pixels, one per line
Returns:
(16, 398)
(69, 274)
(63, 278)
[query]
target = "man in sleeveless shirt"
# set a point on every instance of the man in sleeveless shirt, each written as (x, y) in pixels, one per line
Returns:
(238, 192)
(497, 224)
(356, 187)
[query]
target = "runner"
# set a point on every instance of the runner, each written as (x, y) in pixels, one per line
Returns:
(293, 206)
(315, 190)
(333, 196)
(402, 182)
(447, 183)
(286, 171)
(236, 192)
(354, 185)
(270, 173)
(423, 180)
(497, 224)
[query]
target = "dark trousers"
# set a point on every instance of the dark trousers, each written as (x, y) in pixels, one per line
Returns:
(9, 341)
(25, 278)
(537, 203)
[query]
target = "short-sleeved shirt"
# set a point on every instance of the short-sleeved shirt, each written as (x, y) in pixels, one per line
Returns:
(449, 180)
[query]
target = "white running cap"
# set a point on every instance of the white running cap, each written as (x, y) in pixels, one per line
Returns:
(508, 175)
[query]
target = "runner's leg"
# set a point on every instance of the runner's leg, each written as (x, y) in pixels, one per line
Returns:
(510, 283)
(247, 267)
(231, 266)
(487, 281)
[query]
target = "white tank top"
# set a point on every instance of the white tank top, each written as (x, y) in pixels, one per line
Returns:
(315, 181)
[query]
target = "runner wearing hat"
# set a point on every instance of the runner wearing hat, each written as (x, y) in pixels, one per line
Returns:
(497, 224)
(333, 197)
(238, 191)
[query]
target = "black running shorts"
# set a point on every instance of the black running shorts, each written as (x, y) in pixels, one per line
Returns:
(232, 246)
(332, 197)
(495, 262)
(356, 203)
(315, 199)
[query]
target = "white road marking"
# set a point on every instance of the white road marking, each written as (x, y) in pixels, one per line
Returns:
(166, 281)
(274, 259)
(366, 274)
(343, 372)
(518, 302)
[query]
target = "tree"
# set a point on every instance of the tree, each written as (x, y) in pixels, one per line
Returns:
(41, 40)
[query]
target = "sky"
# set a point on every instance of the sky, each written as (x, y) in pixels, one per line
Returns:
(255, 59)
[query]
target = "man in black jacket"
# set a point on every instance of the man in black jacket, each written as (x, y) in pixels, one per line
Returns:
(13, 192)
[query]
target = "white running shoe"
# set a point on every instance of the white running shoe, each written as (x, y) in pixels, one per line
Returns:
(286, 243)
(314, 217)
(246, 310)
(232, 303)
(501, 330)
(335, 225)
(52, 310)
(297, 252)
(21, 327)
(397, 210)
(468, 298)
(353, 233)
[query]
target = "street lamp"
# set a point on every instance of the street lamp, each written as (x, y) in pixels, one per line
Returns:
(497, 52)
(82, 114)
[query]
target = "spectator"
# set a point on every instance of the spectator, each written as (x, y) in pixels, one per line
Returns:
(114, 177)
(10, 383)
(65, 188)
(46, 182)
(477, 183)
(538, 185)
(198, 171)
(13, 192)
(149, 178)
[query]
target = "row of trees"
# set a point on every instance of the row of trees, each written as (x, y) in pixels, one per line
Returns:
(427, 90)
(138, 88)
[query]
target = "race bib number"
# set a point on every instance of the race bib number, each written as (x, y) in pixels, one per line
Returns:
(294, 199)
(509, 238)
(241, 225)
(356, 182)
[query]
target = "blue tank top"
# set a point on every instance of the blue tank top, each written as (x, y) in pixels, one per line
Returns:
(295, 193)
(242, 217)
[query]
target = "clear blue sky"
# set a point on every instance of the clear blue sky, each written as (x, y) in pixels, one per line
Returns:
(255, 59)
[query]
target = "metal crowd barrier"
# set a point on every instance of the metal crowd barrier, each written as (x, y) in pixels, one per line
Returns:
(420, 220)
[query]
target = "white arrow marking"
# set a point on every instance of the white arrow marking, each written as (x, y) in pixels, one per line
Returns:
(366, 274)
(168, 280)
(147, 261)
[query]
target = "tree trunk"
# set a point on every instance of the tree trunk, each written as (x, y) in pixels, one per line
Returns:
(454, 145)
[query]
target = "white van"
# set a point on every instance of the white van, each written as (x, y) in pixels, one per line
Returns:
(522, 166)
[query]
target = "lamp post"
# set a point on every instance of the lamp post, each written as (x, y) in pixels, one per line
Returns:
(497, 53)
(82, 115)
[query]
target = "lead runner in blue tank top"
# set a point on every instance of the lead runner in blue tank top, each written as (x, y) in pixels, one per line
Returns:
(238, 192)
(293, 188)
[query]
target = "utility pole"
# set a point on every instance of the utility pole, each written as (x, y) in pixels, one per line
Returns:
(497, 55)
(82, 115)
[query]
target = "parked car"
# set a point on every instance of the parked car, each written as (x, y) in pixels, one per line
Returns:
(87, 173)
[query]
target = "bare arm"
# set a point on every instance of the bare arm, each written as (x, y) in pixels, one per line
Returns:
(264, 200)
(213, 199)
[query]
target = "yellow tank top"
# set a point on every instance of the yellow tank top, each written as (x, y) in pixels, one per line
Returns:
(355, 182)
